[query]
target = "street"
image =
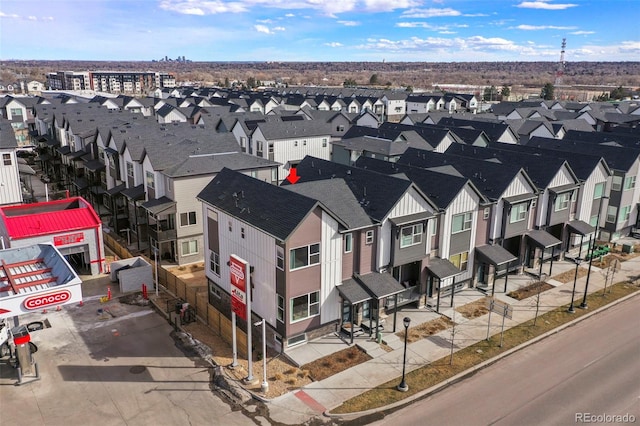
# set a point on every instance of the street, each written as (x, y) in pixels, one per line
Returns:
(589, 370)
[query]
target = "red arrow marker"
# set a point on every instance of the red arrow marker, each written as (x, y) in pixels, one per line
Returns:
(4, 311)
(293, 176)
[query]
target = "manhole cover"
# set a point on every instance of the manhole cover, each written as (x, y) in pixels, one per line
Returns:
(137, 369)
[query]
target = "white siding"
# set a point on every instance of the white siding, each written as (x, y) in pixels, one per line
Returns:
(410, 203)
(285, 150)
(257, 248)
(466, 201)
(331, 269)
(563, 177)
(10, 188)
(585, 198)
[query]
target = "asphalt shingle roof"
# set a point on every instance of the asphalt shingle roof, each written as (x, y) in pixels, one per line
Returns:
(270, 208)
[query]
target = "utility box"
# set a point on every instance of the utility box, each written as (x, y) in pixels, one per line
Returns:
(627, 248)
(131, 274)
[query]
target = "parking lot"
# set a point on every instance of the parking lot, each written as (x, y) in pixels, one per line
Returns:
(117, 366)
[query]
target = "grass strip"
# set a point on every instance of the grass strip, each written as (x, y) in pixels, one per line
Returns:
(440, 370)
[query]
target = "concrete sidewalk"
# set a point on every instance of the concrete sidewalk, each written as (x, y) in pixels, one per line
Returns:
(317, 397)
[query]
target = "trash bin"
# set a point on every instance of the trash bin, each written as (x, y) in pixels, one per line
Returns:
(178, 307)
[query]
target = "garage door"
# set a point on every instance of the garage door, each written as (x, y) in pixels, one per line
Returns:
(73, 250)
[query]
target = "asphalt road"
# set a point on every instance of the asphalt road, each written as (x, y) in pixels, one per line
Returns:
(124, 369)
(591, 369)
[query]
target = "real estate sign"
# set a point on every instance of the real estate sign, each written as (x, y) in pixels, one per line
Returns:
(237, 272)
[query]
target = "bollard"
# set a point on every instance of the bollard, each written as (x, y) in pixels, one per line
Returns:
(108, 293)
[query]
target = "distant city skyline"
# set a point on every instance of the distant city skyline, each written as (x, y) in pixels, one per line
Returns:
(317, 30)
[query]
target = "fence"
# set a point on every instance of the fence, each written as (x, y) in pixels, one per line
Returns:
(195, 295)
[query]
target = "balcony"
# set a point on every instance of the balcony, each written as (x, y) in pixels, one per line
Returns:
(162, 235)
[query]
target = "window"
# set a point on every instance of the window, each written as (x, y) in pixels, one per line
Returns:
(562, 201)
(368, 238)
(280, 314)
(304, 256)
(324, 142)
(280, 258)
(625, 212)
(434, 226)
(305, 306)
(274, 175)
(16, 111)
(486, 213)
(411, 235)
(304, 142)
(295, 143)
(616, 183)
(629, 183)
(6, 159)
(243, 142)
(189, 247)
(348, 243)
(598, 190)
(150, 180)
(259, 146)
(270, 147)
(612, 213)
(187, 219)
(534, 202)
(593, 220)
(230, 226)
(242, 233)
(460, 260)
(461, 222)
(214, 263)
(518, 213)
(130, 169)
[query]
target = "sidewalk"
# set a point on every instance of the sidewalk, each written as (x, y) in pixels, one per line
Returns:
(318, 397)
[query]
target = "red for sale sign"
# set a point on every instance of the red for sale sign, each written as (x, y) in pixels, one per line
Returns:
(237, 268)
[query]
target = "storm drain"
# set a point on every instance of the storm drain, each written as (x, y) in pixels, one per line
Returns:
(137, 369)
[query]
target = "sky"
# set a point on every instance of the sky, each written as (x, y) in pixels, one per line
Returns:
(321, 30)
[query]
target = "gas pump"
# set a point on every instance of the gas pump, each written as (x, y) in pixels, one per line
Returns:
(21, 357)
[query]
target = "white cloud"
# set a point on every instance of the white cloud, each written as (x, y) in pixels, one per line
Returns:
(262, 29)
(389, 6)
(630, 47)
(542, 27)
(266, 30)
(349, 23)
(265, 21)
(10, 16)
(544, 4)
(413, 25)
(476, 43)
(32, 18)
(289, 15)
(47, 18)
(202, 7)
(582, 32)
(430, 13)
(334, 44)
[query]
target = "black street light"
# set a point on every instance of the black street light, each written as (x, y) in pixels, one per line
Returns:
(573, 292)
(583, 305)
(403, 387)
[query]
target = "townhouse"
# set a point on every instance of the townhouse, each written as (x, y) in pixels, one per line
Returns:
(10, 187)
(621, 213)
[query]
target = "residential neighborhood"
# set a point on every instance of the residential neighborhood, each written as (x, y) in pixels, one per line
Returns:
(404, 213)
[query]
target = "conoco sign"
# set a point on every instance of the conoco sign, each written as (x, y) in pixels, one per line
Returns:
(63, 240)
(42, 300)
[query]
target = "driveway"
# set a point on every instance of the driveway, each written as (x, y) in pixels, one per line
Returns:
(120, 369)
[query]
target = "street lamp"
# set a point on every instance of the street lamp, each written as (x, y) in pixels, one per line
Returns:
(583, 305)
(573, 292)
(403, 387)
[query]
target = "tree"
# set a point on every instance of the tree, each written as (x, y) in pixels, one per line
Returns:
(547, 92)
(226, 82)
(618, 93)
(251, 82)
(374, 79)
(505, 92)
(350, 82)
(490, 93)
(409, 89)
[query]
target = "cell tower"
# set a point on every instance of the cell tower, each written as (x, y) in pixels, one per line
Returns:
(561, 65)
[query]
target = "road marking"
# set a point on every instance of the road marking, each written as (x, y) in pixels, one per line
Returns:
(594, 361)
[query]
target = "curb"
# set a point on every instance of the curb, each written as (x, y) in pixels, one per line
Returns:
(471, 371)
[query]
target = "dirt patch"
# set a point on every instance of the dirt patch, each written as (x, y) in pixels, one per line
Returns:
(474, 309)
(568, 276)
(427, 329)
(530, 290)
(282, 375)
(332, 364)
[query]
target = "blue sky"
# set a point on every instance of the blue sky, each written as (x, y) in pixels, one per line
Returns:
(319, 30)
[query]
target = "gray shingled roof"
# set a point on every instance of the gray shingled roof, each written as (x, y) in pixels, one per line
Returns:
(335, 194)
(214, 163)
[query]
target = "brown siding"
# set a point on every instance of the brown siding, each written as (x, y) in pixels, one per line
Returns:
(304, 280)
(482, 232)
(348, 258)
(368, 252)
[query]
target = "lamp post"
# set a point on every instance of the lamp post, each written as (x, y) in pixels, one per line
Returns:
(403, 387)
(264, 387)
(573, 292)
(583, 305)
